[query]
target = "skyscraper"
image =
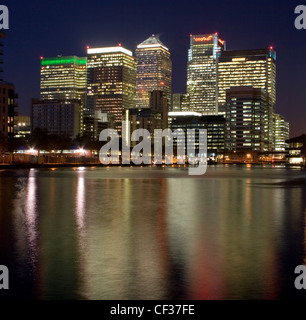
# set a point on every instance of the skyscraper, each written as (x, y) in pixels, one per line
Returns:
(202, 73)
(63, 78)
(246, 119)
(111, 83)
(154, 70)
(256, 68)
(250, 68)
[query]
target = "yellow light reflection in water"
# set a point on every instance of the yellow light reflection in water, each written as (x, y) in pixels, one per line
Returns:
(80, 200)
(30, 211)
(25, 218)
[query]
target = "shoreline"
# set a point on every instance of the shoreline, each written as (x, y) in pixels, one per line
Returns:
(88, 165)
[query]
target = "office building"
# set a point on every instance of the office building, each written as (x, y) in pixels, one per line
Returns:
(177, 102)
(202, 73)
(93, 125)
(8, 104)
(215, 126)
(297, 150)
(256, 68)
(111, 86)
(159, 103)
(63, 78)
(281, 134)
(57, 117)
(250, 68)
(154, 117)
(154, 70)
(247, 122)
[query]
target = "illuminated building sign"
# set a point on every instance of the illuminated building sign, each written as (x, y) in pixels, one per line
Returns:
(221, 41)
(60, 60)
(202, 39)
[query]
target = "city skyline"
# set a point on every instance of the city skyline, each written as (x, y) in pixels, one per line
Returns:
(145, 153)
(67, 39)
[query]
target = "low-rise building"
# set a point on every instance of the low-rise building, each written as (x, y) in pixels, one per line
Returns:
(58, 117)
(297, 150)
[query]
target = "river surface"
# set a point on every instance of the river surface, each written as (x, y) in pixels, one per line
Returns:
(237, 232)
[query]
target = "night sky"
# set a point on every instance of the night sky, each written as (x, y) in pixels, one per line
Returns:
(49, 28)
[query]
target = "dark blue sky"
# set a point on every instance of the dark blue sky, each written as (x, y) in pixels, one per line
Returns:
(48, 28)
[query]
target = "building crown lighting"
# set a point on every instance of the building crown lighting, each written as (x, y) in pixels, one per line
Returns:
(152, 42)
(109, 50)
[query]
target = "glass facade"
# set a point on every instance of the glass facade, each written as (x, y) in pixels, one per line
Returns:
(154, 70)
(256, 68)
(281, 133)
(202, 70)
(250, 68)
(111, 85)
(63, 78)
(246, 119)
(177, 99)
(215, 126)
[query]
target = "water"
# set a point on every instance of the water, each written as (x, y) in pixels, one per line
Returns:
(236, 232)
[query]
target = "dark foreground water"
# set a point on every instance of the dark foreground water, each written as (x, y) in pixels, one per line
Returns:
(153, 233)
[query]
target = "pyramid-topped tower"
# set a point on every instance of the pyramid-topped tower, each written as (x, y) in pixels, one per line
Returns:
(154, 70)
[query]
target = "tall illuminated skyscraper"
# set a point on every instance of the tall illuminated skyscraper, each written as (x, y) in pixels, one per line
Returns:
(63, 78)
(202, 73)
(250, 68)
(256, 68)
(154, 70)
(111, 85)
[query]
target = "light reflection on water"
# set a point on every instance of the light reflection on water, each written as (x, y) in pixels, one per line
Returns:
(153, 233)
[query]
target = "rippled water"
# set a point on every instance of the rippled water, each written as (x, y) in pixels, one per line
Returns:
(236, 232)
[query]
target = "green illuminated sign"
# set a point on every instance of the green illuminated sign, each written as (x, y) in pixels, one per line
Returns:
(63, 60)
